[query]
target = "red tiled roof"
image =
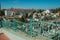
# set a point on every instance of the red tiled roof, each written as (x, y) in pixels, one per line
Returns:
(59, 12)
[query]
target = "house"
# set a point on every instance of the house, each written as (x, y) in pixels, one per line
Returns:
(47, 11)
(9, 12)
(59, 12)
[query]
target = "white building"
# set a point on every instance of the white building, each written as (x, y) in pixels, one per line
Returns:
(46, 11)
(9, 12)
(34, 15)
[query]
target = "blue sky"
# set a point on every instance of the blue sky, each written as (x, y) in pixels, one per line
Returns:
(36, 4)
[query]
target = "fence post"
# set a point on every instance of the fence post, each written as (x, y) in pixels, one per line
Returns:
(14, 26)
(30, 27)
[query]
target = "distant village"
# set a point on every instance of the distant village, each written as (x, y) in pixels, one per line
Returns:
(40, 23)
(26, 14)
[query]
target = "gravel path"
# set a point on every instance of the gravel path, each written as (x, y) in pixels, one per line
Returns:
(11, 35)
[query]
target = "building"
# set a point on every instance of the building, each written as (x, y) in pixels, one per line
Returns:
(17, 12)
(9, 12)
(59, 12)
(46, 11)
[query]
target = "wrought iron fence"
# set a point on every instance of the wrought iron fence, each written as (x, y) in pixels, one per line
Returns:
(33, 28)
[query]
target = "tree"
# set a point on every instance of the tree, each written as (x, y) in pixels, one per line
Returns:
(55, 10)
(41, 10)
(1, 12)
(26, 15)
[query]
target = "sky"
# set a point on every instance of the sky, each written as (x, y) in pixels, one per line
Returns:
(36, 4)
